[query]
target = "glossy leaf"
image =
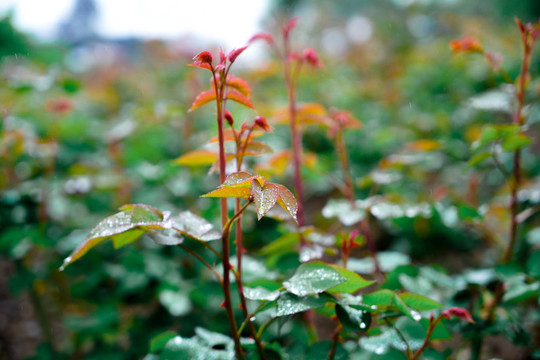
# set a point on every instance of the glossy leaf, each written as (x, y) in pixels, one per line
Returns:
(195, 227)
(202, 99)
(353, 320)
(354, 281)
(131, 218)
(264, 197)
(289, 304)
(287, 201)
(313, 278)
(260, 293)
(226, 192)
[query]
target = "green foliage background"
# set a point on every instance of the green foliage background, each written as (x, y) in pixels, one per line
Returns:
(61, 172)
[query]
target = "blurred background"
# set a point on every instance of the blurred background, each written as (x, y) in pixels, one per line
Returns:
(93, 101)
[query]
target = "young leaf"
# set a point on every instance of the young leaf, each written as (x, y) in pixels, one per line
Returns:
(198, 157)
(238, 97)
(241, 179)
(287, 201)
(239, 84)
(264, 197)
(227, 192)
(257, 148)
(313, 278)
(203, 98)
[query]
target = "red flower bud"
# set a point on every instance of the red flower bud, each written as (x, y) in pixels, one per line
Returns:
(229, 118)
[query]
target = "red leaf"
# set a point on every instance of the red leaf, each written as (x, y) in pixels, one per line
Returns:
(261, 36)
(239, 84)
(240, 98)
(203, 98)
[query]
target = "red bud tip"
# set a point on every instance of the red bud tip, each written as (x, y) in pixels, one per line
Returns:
(458, 312)
(310, 56)
(59, 106)
(290, 25)
(262, 124)
(222, 57)
(261, 36)
(222, 304)
(229, 118)
(466, 44)
(203, 58)
(234, 54)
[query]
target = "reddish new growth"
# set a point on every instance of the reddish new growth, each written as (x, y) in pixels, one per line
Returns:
(59, 106)
(261, 123)
(311, 57)
(458, 312)
(466, 44)
(204, 60)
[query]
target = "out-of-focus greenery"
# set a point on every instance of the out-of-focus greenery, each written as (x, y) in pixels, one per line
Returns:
(74, 146)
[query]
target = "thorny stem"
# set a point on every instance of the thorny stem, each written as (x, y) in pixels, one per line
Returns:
(227, 281)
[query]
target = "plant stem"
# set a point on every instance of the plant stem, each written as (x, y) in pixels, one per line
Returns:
(519, 120)
(335, 340)
(222, 159)
(296, 135)
(210, 267)
(430, 330)
(227, 281)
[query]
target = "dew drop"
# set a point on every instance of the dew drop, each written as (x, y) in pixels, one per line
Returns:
(66, 261)
(416, 315)
(362, 325)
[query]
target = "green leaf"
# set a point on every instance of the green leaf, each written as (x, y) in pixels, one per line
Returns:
(126, 238)
(418, 302)
(260, 293)
(195, 227)
(176, 302)
(288, 304)
(515, 142)
(479, 158)
(158, 342)
(131, 217)
(353, 281)
(489, 134)
(353, 320)
(313, 278)
(380, 298)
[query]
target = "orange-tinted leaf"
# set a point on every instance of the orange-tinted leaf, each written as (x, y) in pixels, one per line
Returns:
(264, 197)
(465, 44)
(203, 98)
(199, 157)
(287, 201)
(308, 113)
(239, 84)
(230, 192)
(240, 98)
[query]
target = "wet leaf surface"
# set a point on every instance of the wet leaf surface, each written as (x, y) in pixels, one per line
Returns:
(313, 278)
